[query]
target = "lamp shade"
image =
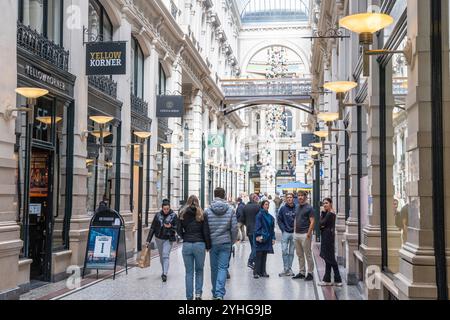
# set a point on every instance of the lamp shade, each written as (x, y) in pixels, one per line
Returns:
(98, 135)
(142, 134)
(101, 119)
(366, 22)
(340, 86)
(321, 134)
(316, 145)
(31, 93)
(48, 120)
(167, 145)
(328, 116)
(313, 153)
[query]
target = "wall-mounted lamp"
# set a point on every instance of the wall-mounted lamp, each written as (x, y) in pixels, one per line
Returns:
(32, 94)
(48, 120)
(366, 24)
(341, 88)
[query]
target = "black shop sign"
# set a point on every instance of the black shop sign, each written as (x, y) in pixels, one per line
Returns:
(170, 106)
(106, 58)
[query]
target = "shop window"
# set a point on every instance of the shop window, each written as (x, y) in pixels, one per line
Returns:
(44, 16)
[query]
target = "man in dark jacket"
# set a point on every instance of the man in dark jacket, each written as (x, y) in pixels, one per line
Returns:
(241, 227)
(285, 219)
(248, 218)
(223, 229)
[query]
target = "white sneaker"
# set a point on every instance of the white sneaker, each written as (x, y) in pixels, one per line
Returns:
(338, 284)
(325, 284)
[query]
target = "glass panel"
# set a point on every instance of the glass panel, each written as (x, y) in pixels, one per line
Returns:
(43, 113)
(33, 14)
(107, 28)
(396, 13)
(140, 73)
(94, 19)
(133, 66)
(54, 21)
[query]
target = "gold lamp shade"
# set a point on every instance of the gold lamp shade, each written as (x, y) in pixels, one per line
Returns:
(101, 119)
(366, 22)
(328, 116)
(167, 145)
(31, 93)
(143, 134)
(321, 134)
(98, 135)
(48, 120)
(313, 153)
(340, 86)
(316, 145)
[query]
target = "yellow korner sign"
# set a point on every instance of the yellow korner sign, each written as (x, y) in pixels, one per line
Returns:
(106, 58)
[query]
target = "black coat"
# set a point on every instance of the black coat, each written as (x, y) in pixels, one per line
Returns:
(158, 229)
(248, 217)
(192, 231)
(327, 231)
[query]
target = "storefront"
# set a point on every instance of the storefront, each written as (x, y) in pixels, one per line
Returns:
(45, 162)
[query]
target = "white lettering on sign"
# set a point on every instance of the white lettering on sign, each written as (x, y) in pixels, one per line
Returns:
(44, 77)
(102, 247)
(106, 63)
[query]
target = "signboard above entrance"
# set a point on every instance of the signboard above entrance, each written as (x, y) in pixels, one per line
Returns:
(106, 58)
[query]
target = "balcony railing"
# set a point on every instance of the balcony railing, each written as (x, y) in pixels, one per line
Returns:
(104, 84)
(42, 47)
(139, 106)
(264, 87)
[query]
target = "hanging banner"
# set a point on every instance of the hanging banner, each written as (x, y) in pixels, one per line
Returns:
(216, 141)
(106, 58)
(169, 106)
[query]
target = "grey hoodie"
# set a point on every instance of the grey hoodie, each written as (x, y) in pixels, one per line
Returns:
(222, 222)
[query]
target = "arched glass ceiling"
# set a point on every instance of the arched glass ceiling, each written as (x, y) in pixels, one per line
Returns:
(254, 11)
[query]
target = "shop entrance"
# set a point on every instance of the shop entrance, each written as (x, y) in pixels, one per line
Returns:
(40, 214)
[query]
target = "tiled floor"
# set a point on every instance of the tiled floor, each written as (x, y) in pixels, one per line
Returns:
(145, 284)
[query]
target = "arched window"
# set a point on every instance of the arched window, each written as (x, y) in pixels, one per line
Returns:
(44, 16)
(162, 80)
(99, 22)
(289, 121)
(137, 70)
(258, 123)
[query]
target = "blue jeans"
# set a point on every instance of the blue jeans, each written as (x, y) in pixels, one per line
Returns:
(194, 259)
(219, 259)
(287, 247)
(252, 257)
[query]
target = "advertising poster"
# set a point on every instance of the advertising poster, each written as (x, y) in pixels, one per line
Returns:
(102, 248)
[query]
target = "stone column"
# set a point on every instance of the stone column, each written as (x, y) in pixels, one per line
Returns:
(79, 224)
(417, 274)
(10, 243)
(124, 95)
(340, 218)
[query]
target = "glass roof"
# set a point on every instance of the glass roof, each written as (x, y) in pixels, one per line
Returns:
(254, 11)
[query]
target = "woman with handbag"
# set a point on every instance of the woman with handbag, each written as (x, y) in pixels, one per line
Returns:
(193, 228)
(327, 251)
(264, 239)
(164, 229)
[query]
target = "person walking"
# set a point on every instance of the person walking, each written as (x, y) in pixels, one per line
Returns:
(265, 239)
(327, 250)
(303, 228)
(223, 229)
(248, 218)
(163, 227)
(286, 219)
(193, 228)
(241, 227)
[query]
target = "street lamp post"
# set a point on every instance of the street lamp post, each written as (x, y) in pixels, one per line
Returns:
(186, 164)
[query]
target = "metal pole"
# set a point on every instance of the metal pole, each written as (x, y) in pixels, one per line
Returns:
(186, 164)
(202, 184)
(118, 168)
(140, 196)
(317, 200)
(147, 184)
(28, 145)
(169, 158)
(162, 172)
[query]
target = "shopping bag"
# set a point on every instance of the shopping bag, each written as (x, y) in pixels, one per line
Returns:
(144, 260)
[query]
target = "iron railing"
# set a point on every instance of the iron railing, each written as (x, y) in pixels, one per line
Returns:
(105, 84)
(264, 87)
(37, 44)
(139, 106)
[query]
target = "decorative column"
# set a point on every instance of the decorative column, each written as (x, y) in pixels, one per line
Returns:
(417, 270)
(10, 243)
(124, 95)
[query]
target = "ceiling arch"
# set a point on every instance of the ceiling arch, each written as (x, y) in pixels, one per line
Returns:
(254, 11)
